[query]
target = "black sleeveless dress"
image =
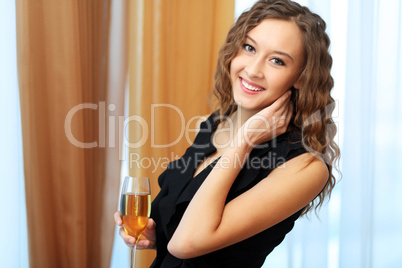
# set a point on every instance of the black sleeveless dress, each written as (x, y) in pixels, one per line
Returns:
(178, 187)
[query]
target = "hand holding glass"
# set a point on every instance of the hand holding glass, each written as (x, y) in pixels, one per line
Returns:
(135, 208)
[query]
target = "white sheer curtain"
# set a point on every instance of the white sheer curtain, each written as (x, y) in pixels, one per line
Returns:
(360, 226)
(13, 230)
(120, 251)
(371, 211)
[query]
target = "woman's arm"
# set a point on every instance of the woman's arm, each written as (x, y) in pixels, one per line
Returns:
(208, 224)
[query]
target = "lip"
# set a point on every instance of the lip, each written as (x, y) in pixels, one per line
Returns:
(248, 91)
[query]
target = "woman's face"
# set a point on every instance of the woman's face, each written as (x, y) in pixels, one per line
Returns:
(268, 64)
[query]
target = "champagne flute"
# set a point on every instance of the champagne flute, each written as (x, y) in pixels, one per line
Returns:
(135, 208)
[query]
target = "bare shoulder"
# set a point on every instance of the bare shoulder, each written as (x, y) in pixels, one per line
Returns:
(307, 168)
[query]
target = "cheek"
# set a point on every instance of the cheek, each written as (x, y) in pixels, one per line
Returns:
(232, 71)
(235, 65)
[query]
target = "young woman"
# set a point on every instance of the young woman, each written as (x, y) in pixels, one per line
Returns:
(261, 161)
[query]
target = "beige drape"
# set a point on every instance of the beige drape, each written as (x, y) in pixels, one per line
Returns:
(71, 155)
(173, 48)
(72, 102)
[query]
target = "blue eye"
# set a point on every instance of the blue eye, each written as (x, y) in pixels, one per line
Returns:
(278, 61)
(249, 48)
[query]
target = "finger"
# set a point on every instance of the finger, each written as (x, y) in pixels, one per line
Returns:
(274, 112)
(283, 109)
(285, 117)
(143, 244)
(280, 101)
(129, 240)
(279, 118)
(151, 224)
(117, 218)
(281, 122)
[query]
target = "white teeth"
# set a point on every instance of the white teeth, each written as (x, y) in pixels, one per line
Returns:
(250, 87)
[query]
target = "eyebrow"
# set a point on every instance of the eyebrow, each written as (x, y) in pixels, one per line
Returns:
(276, 51)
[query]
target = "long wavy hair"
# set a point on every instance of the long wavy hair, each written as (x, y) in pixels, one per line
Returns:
(312, 101)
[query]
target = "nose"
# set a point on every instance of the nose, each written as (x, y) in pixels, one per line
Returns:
(254, 68)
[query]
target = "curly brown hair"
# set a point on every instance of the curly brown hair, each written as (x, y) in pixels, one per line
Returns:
(312, 101)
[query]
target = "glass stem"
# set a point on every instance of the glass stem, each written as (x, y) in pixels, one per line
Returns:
(132, 253)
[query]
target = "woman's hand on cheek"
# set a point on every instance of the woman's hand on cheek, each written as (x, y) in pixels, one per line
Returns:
(269, 123)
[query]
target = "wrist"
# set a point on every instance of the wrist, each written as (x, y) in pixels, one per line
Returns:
(242, 143)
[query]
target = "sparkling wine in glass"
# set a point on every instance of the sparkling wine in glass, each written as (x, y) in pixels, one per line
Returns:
(135, 208)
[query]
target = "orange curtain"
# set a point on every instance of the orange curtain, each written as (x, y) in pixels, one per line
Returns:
(173, 49)
(70, 141)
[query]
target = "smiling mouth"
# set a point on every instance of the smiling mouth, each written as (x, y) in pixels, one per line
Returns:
(249, 87)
